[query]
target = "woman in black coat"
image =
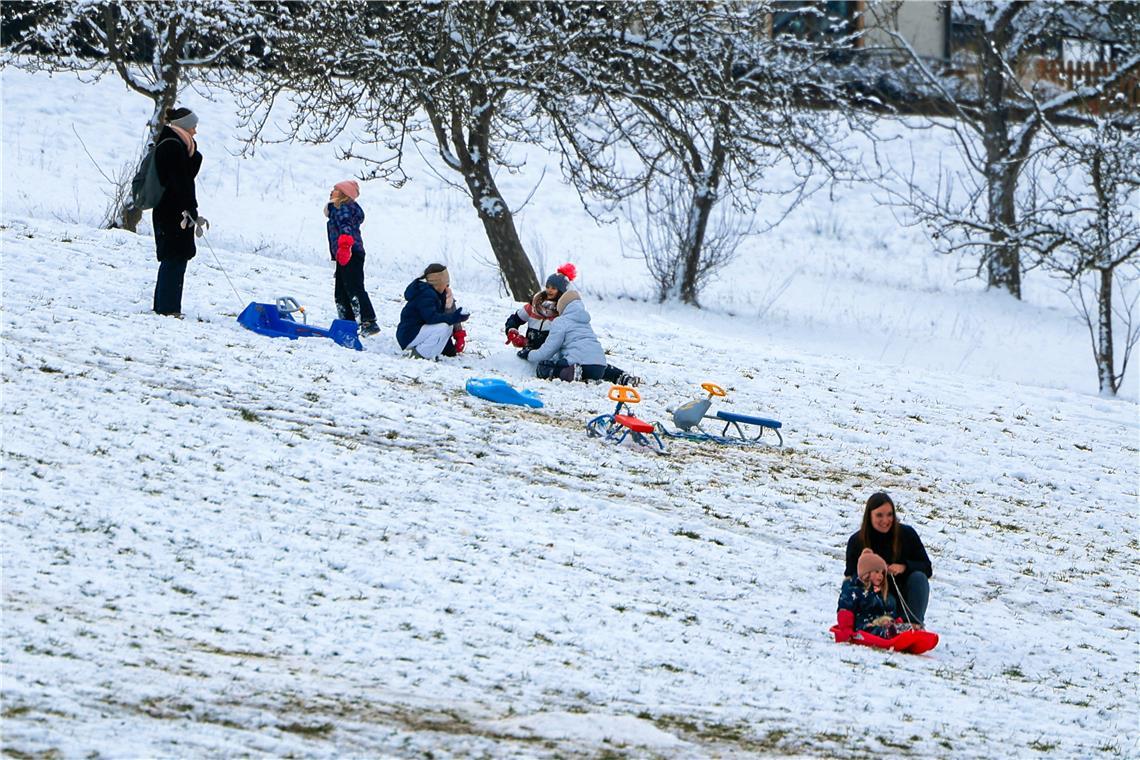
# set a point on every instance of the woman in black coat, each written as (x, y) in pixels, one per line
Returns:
(907, 562)
(175, 217)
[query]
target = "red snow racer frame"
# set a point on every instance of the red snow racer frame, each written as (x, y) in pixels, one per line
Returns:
(615, 428)
(913, 641)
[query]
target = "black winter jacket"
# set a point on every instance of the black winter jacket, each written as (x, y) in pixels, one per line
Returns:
(911, 553)
(176, 171)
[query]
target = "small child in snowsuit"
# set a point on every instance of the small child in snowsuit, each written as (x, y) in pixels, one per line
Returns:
(540, 312)
(864, 604)
(346, 247)
(866, 612)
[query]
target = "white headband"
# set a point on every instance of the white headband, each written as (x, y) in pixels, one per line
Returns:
(189, 121)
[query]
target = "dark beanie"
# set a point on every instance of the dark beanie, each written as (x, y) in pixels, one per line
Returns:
(558, 281)
(562, 277)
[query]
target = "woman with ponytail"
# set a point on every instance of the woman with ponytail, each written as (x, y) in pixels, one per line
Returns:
(175, 217)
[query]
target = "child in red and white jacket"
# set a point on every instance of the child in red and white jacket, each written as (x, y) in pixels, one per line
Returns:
(347, 248)
(540, 312)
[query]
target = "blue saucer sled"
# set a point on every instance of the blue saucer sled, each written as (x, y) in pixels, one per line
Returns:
(276, 321)
(502, 392)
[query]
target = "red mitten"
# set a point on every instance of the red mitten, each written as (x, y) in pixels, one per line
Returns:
(460, 336)
(844, 627)
(515, 338)
(343, 249)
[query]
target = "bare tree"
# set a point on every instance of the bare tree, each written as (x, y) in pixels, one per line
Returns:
(996, 119)
(665, 235)
(707, 102)
(1088, 231)
(466, 75)
(152, 47)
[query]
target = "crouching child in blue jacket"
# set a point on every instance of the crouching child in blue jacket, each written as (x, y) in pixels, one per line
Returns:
(430, 322)
(864, 604)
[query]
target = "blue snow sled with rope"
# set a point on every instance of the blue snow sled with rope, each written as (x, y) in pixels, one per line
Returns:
(276, 321)
(738, 428)
(502, 392)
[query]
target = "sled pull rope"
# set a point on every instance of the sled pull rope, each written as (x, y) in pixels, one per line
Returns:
(902, 601)
(241, 301)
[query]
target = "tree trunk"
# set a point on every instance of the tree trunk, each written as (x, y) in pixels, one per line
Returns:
(499, 224)
(699, 212)
(1003, 265)
(704, 198)
(1105, 361)
(1003, 260)
(127, 216)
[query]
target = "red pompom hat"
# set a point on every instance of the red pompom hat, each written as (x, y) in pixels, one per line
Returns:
(562, 277)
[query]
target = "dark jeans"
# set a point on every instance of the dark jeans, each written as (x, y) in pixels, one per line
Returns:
(168, 286)
(352, 301)
(916, 594)
(564, 370)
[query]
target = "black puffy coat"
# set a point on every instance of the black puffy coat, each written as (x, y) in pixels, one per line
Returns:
(176, 171)
(911, 553)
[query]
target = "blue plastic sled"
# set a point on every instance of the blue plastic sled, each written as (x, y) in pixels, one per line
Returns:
(267, 319)
(502, 392)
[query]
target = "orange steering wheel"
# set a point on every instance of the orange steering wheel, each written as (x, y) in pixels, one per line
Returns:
(713, 389)
(623, 394)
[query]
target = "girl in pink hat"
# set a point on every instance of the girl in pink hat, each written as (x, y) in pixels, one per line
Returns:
(867, 614)
(347, 248)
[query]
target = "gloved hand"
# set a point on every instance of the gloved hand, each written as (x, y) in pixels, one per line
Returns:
(844, 627)
(515, 338)
(460, 336)
(200, 224)
(464, 315)
(523, 354)
(344, 249)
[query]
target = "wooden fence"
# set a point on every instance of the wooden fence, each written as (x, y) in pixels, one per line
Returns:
(1074, 74)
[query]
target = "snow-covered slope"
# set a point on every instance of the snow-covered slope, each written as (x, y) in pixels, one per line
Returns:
(218, 543)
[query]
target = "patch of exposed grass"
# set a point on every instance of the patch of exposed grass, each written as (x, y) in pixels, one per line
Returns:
(1043, 746)
(318, 730)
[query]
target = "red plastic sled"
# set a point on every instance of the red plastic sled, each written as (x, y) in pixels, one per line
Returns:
(913, 642)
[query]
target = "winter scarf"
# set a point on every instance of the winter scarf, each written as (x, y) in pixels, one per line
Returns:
(182, 133)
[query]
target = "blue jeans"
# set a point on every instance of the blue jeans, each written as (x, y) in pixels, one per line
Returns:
(916, 594)
(168, 286)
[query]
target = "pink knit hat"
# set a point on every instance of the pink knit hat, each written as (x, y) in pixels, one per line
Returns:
(349, 187)
(869, 562)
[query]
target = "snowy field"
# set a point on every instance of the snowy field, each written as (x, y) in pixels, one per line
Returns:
(219, 544)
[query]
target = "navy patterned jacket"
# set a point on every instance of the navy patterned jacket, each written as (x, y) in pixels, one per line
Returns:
(868, 606)
(345, 220)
